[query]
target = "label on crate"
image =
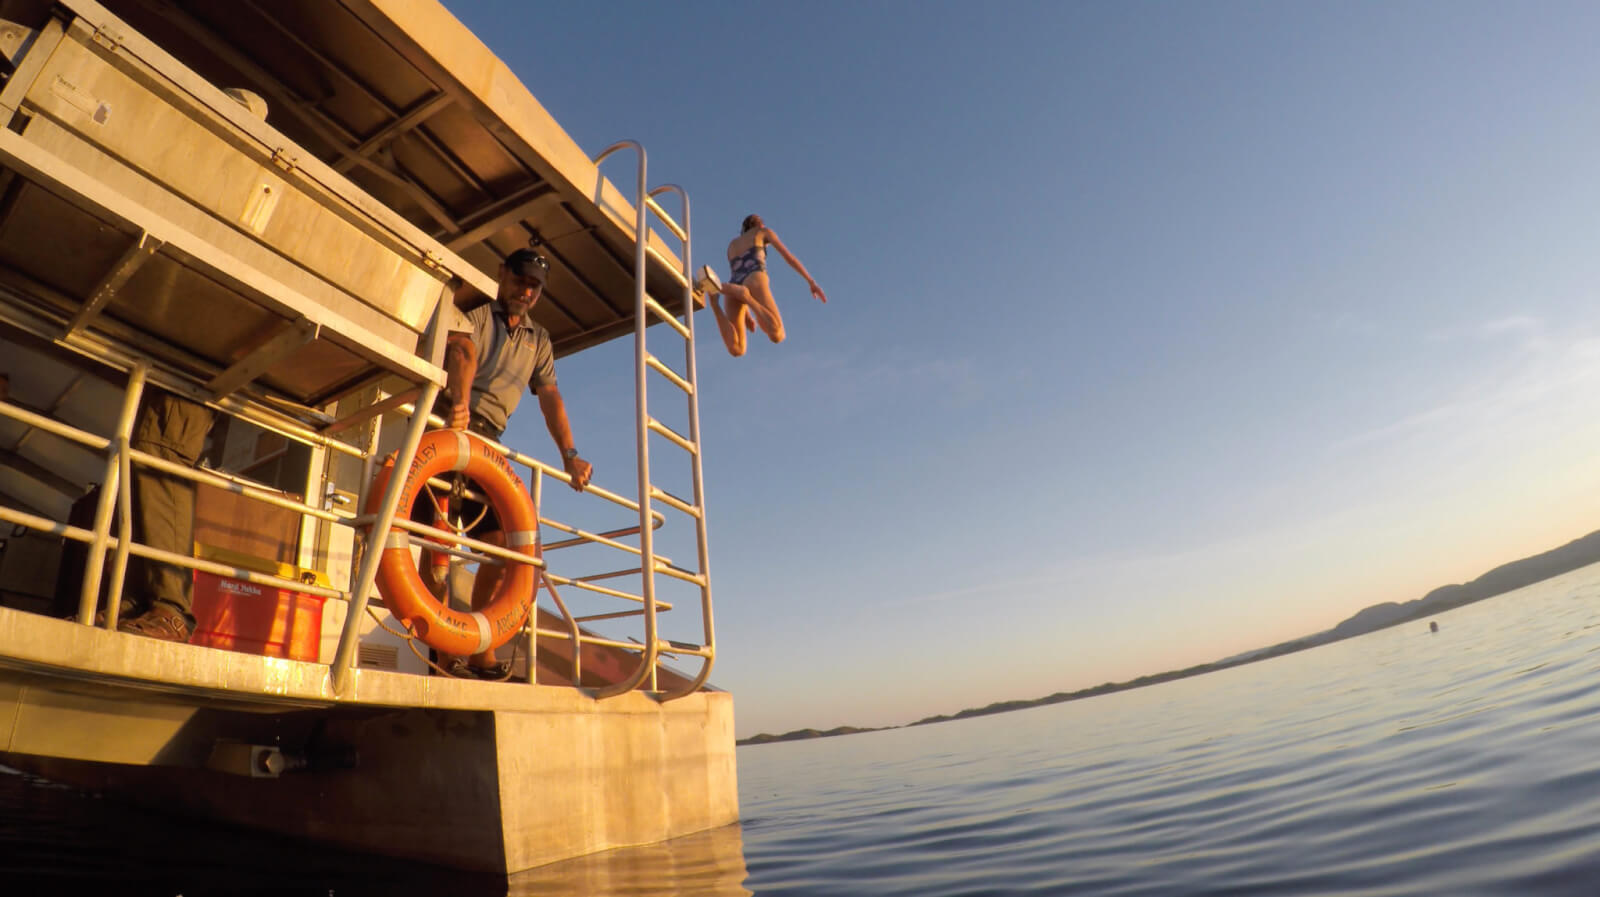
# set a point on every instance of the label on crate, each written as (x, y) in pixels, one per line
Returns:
(240, 587)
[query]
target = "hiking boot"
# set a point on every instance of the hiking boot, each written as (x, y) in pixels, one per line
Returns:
(160, 621)
(498, 671)
(125, 611)
(708, 282)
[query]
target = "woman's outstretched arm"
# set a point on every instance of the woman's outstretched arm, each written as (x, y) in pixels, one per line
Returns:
(794, 263)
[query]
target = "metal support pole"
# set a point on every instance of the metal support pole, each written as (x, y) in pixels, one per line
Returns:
(572, 631)
(641, 427)
(362, 589)
(697, 470)
(641, 403)
(119, 569)
(530, 626)
(368, 462)
(95, 564)
(641, 371)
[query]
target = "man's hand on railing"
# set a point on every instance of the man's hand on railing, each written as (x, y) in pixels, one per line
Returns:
(580, 471)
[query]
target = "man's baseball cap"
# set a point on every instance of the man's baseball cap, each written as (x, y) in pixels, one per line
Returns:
(529, 264)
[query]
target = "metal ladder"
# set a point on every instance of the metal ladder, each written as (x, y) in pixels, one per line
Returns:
(644, 306)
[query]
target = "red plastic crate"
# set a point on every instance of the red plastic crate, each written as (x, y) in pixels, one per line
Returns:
(256, 619)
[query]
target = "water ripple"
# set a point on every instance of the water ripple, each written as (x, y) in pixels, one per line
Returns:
(1399, 763)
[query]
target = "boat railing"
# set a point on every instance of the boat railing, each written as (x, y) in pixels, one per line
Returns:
(573, 631)
(115, 548)
(120, 457)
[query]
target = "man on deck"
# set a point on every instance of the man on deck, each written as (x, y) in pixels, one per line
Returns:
(486, 369)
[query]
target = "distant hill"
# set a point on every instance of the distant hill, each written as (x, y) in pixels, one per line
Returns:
(1504, 578)
(802, 734)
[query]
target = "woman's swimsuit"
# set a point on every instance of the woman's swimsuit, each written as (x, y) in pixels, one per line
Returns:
(747, 263)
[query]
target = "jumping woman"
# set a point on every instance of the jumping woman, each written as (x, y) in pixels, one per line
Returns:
(748, 290)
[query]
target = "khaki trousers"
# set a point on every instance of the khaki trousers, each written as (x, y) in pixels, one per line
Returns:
(163, 505)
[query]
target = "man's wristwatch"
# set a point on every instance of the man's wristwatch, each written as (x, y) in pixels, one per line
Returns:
(569, 454)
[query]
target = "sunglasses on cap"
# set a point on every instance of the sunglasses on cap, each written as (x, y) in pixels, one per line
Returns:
(528, 265)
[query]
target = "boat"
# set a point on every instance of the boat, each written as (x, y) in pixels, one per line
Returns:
(265, 206)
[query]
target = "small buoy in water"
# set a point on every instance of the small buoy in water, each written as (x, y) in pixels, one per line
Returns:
(1433, 627)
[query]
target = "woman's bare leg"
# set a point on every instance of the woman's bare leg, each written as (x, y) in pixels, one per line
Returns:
(765, 309)
(754, 298)
(732, 331)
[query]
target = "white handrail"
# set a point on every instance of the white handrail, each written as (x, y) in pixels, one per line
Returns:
(703, 578)
(641, 322)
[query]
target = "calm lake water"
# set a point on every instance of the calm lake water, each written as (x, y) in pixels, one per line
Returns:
(1461, 762)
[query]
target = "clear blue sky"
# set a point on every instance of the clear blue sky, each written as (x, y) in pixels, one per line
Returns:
(1156, 331)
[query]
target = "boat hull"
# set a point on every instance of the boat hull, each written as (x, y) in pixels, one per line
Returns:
(495, 777)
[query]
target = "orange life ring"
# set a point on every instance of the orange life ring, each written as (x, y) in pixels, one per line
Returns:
(401, 586)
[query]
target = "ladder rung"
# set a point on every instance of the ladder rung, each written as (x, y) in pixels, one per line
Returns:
(677, 573)
(671, 224)
(664, 430)
(671, 264)
(663, 314)
(669, 373)
(668, 498)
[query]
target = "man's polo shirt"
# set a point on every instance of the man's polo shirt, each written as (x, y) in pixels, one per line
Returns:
(510, 359)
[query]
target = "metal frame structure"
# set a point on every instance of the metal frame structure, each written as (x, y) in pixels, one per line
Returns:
(437, 150)
(90, 329)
